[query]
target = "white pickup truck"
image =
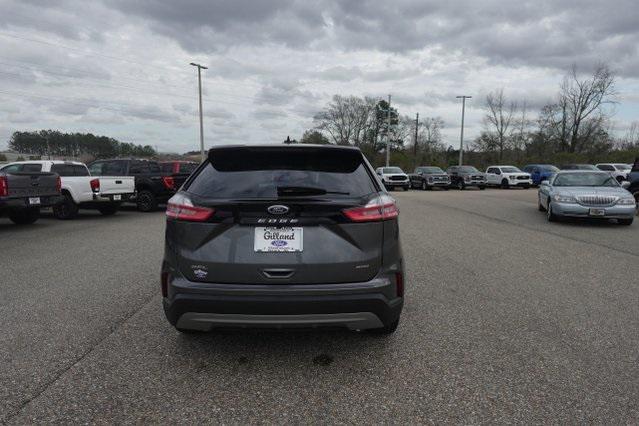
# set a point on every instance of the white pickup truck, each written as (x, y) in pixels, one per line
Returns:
(79, 188)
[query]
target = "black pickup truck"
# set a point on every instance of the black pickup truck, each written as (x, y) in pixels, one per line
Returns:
(152, 186)
(22, 194)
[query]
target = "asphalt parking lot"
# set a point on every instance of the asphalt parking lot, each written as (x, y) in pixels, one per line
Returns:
(508, 318)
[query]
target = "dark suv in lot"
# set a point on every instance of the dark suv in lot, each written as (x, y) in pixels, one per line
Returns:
(152, 186)
(462, 177)
(283, 236)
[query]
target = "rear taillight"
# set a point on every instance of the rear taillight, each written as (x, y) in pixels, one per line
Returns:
(58, 185)
(399, 284)
(4, 186)
(378, 209)
(180, 207)
(95, 185)
(169, 182)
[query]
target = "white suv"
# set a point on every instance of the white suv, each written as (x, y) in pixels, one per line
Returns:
(619, 171)
(507, 176)
(393, 177)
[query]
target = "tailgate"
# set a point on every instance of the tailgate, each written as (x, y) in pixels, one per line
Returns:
(32, 184)
(117, 185)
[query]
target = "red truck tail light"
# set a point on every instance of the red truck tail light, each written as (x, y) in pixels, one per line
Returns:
(95, 185)
(169, 182)
(4, 186)
(181, 208)
(58, 185)
(378, 209)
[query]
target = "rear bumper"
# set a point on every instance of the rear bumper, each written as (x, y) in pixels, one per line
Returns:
(356, 306)
(113, 198)
(577, 210)
(23, 202)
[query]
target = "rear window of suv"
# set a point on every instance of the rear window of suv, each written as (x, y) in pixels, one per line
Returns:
(267, 173)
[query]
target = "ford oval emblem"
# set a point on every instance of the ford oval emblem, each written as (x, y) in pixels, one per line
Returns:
(278, 209)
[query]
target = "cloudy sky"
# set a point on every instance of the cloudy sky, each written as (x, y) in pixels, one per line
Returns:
(121, 67)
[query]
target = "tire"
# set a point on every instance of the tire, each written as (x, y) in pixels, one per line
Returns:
(189, 331)
(549, 214)
(504, 184)
(460, 185)
(386, 330)
(446, 188)
(67, 209)
(625, 222)
(405, 188)
(620, 179)
(482, 187)
(146, 201)
(540, 206)
(424, 186)
(25, 216)
(526, 186)
(109, 209)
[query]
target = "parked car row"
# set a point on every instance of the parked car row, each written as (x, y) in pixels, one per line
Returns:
(68, 186)
(503, 176)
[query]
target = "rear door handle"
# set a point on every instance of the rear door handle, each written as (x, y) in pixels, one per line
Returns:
(278, 273)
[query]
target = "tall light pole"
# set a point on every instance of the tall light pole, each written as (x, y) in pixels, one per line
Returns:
(199, 86)
(461, 138)
(388, 133)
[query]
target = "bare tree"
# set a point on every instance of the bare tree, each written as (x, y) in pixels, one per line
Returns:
(498, 119)
(520, 136)
(346, 119)
(581, 99)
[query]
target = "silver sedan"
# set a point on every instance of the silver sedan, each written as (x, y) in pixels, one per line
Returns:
(586, 194)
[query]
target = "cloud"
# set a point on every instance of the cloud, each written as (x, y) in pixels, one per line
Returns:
(121, 67)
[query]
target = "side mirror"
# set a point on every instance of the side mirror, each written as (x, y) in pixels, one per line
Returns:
(545, 183)
(625, 184)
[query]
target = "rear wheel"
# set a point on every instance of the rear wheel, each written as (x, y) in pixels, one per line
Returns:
(386, 329)
(146, 201)
(626, 222)
(25, 216)
(552, 217)
(109, 209)
(67, 209)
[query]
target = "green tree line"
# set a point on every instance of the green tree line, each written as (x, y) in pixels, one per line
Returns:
(59, 144)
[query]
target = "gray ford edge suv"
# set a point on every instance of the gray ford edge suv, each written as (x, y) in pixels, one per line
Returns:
(283, 236)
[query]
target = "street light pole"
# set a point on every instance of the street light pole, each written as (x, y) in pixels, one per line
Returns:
(199, 86)
(461, 138)
(388, 133)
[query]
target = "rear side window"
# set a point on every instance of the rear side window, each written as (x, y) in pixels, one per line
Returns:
(79, 170)
(31, 168)
(606, 167)
(63, 170)
(113, 168)
(267, 173)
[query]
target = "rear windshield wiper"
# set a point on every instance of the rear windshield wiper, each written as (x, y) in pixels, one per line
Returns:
(305, 190)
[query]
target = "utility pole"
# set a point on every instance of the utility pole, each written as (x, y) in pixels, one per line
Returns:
(388, 132)
(416, 127)
(199, 86)
(461, 138)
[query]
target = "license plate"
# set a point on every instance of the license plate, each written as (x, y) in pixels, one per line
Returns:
(272, 239)
(34, 201)
(597, 212)
(117, 197)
